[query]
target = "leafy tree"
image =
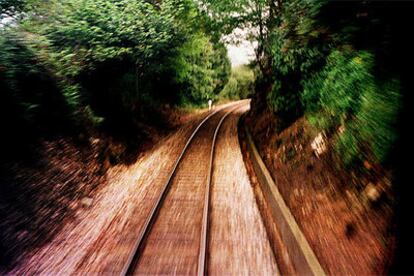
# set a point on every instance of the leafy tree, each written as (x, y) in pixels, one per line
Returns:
(111, 60)
(259, 17)
(329, 59)
(240, 84)
(202, 69)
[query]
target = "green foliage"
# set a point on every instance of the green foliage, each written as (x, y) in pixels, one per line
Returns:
(110, 61)
(84, 33)
(202, 69)
(345, 93)
(332, 60)
(295, 53)
(335, 91)
(240, 84)
(222, 67)
(373, 129)
(294, 45)
(26, 85)
(335, 67)
(94, 48)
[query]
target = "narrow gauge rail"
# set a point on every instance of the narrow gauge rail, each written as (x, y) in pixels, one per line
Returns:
(174, 236)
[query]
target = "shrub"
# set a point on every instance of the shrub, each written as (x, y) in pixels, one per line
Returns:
(373, 129)
(346, 93)
(30, 92)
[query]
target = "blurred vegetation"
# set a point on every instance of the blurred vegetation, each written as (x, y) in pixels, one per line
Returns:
(109, 64)
(335, 62)
(323, 66)
(240, 84)
(345, 94)
(31, 98)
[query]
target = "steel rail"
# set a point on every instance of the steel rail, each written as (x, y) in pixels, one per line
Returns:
(129, 266)
(202, 268)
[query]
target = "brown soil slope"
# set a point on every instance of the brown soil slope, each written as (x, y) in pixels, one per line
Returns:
(346, 215)
(57, 184)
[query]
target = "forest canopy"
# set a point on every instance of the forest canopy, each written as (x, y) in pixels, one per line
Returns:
(107, 63)
(336, 62)
(104, 63)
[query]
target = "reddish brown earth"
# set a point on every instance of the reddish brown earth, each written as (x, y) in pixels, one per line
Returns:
(55, 205)
(38, 196)
(282, 257)
(349, 233)
(107, 217)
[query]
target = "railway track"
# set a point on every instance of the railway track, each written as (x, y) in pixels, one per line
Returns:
(174, 239)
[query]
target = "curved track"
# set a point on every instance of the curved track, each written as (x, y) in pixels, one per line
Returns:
(174, 239)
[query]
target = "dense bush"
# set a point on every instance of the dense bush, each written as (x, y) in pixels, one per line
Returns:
(346, 94)
(30, 97)
(106, 61)
(103, 50)
(333, 62)
(334, 92)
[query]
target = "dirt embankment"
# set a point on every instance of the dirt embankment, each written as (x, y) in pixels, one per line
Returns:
(38, 195)
(345, 213)
(58, 180)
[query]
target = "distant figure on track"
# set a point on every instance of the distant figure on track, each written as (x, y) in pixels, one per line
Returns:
(210, 102)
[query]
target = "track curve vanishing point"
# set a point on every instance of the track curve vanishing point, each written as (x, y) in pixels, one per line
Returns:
(169, 242)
